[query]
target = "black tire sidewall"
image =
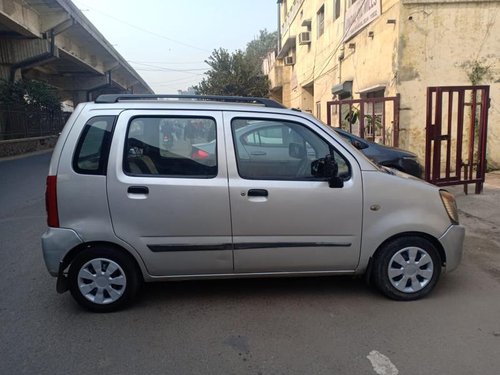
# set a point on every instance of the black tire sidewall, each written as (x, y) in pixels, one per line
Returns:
(123, 260)
(381, 277)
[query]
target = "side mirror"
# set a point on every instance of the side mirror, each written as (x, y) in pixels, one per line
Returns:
(336, 182)
(327, 168)
(357, 144)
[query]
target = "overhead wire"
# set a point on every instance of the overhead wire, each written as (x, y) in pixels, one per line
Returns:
(157, 68)
(179, 80)
(325, 65)
(341, 41)
(167, 62)
(145, 30)
(147, 66)
(171, 83)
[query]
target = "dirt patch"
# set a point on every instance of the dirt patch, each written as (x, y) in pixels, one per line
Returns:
(485, 253)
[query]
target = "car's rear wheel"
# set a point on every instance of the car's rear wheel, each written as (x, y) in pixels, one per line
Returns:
(103, 279)
(407, 268)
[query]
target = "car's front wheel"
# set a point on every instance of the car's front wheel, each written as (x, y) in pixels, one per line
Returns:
(103, 279)
(407, 268)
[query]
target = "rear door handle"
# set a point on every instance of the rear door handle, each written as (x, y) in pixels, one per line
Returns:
(138, 190)
(258, 193)
(258, 153)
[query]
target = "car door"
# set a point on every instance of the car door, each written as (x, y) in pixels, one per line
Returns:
(292, 222)
(166, 199)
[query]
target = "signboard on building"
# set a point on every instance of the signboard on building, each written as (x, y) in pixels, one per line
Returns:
(360, 14)
(290, 15)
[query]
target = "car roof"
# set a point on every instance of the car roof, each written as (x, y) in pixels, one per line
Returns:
(188, 105)
(115, 98)
(120, 102)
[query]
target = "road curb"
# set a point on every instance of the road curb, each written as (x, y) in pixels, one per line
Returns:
(34, 153)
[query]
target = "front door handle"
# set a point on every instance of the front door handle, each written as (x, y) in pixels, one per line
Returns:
(258, 193)
(138, 190)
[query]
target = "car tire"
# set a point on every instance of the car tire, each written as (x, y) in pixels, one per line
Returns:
(103, 279)
(407, 268)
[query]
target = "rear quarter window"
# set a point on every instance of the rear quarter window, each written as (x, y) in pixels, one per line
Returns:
(92, 150)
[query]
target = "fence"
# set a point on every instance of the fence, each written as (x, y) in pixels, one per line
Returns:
(17, 123)
(456, 135)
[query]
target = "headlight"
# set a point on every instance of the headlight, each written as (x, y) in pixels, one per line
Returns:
(450, 205)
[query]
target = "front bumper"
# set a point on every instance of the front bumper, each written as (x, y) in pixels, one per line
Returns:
(453, 242)
(56, 242)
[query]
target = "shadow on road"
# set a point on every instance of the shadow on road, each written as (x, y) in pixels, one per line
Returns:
(255, 290)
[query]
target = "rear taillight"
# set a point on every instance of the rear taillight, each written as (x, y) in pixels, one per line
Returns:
(200, 155)
(51, 202)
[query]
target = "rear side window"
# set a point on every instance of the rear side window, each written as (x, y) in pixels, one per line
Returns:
(92, 150)
(171, 147)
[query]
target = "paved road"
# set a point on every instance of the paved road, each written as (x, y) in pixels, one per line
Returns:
(280, 326)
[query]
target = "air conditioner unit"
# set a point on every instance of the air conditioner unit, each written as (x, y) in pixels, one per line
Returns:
(305, 37)
(289, 60)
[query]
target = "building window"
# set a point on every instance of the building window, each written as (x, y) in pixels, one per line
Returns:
(318, 110)
(320, 16)
(336, 12)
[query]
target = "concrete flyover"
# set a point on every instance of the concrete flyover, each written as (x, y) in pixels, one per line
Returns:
(52, 41)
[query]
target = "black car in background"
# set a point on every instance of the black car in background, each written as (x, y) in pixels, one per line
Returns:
(391, 157)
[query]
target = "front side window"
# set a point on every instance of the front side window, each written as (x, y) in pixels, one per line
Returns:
(171, 147)
(280, 150)
(92, 150)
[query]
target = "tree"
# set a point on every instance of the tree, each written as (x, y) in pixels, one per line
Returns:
(31, 95)
(258, 48)
(29, 108)
(238, 73)
(232, 74)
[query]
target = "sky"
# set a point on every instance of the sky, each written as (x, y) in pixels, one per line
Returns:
(167, 41)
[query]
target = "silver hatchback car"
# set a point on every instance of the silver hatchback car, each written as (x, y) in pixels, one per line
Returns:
(155, 188)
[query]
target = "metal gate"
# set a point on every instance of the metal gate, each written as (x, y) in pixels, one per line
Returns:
(375, 119)
(456, 133)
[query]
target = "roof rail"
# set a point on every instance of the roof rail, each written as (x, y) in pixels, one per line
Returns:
(115, 98)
